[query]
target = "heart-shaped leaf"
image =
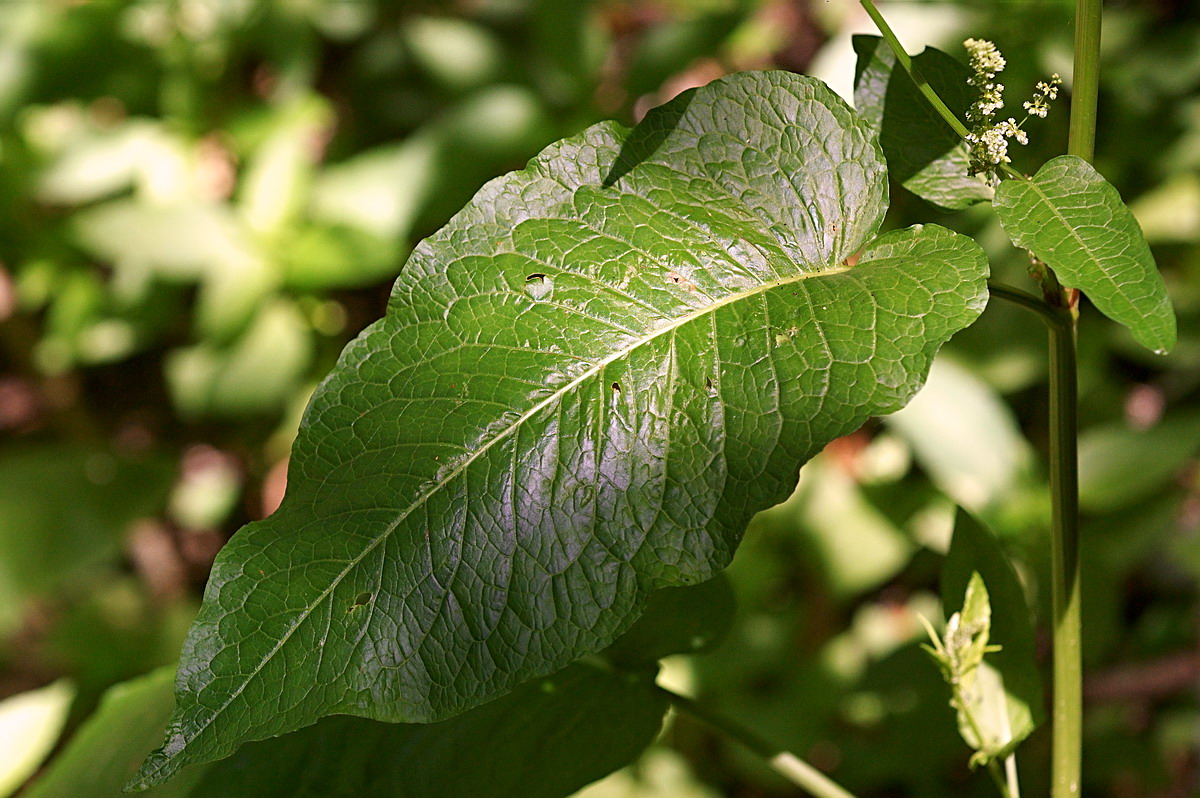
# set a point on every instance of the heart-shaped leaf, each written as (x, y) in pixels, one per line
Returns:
(923, 153)
(584, 387)
(1072, 219)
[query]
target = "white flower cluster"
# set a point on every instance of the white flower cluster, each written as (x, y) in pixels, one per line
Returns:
(989, 144)
(1040, 104)
(988, 139)
(985, 58)
(986, 63)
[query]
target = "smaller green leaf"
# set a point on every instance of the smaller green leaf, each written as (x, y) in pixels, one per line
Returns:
(976, 623)
(1007, 688)
(678, 620)
(989, 731)
(923, 153)
(547, 739)
(977, 689)
(1073, 219)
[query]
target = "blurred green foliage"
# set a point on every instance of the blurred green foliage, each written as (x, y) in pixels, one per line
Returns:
(201, 201)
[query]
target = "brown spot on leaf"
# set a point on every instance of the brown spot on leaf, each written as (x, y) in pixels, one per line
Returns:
(679, 279)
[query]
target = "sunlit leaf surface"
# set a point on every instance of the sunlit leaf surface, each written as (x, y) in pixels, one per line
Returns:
(583, 388)
(1071, 218)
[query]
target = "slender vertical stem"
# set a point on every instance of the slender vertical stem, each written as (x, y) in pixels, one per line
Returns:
(1085, 84)
(785, 763)
(1067, 717)
(1067, 730)
(1010, 775)
(1067, 734)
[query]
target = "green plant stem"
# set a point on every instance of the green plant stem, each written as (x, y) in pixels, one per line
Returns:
(1051, 315)
(906, 62)
(1085, 84)
(1067, 716)
(918, 79)
(785, 763)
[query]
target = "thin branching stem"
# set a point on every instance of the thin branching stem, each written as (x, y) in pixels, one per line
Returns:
(785, 763)
(906, 63)
(1054, 317)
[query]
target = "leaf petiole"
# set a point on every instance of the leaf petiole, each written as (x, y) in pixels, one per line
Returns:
(785, 763)
(1054, 317)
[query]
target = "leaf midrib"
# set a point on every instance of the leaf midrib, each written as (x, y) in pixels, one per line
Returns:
(1083, 246)
(503, 434)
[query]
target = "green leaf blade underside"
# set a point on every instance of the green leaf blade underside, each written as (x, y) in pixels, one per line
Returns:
(923, 153)
(1073, 219)
(584, 387)
(546, 739)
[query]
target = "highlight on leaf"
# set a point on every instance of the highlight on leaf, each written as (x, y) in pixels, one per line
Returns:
(1075, 221)
(469, 463)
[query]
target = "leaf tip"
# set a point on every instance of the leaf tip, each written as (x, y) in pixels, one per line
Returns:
(1161, 339)
(159, 767)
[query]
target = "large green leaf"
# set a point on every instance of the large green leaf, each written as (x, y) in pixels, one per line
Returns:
(923, 153)
(1071, 218)
(546, 739)
(584, 387)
